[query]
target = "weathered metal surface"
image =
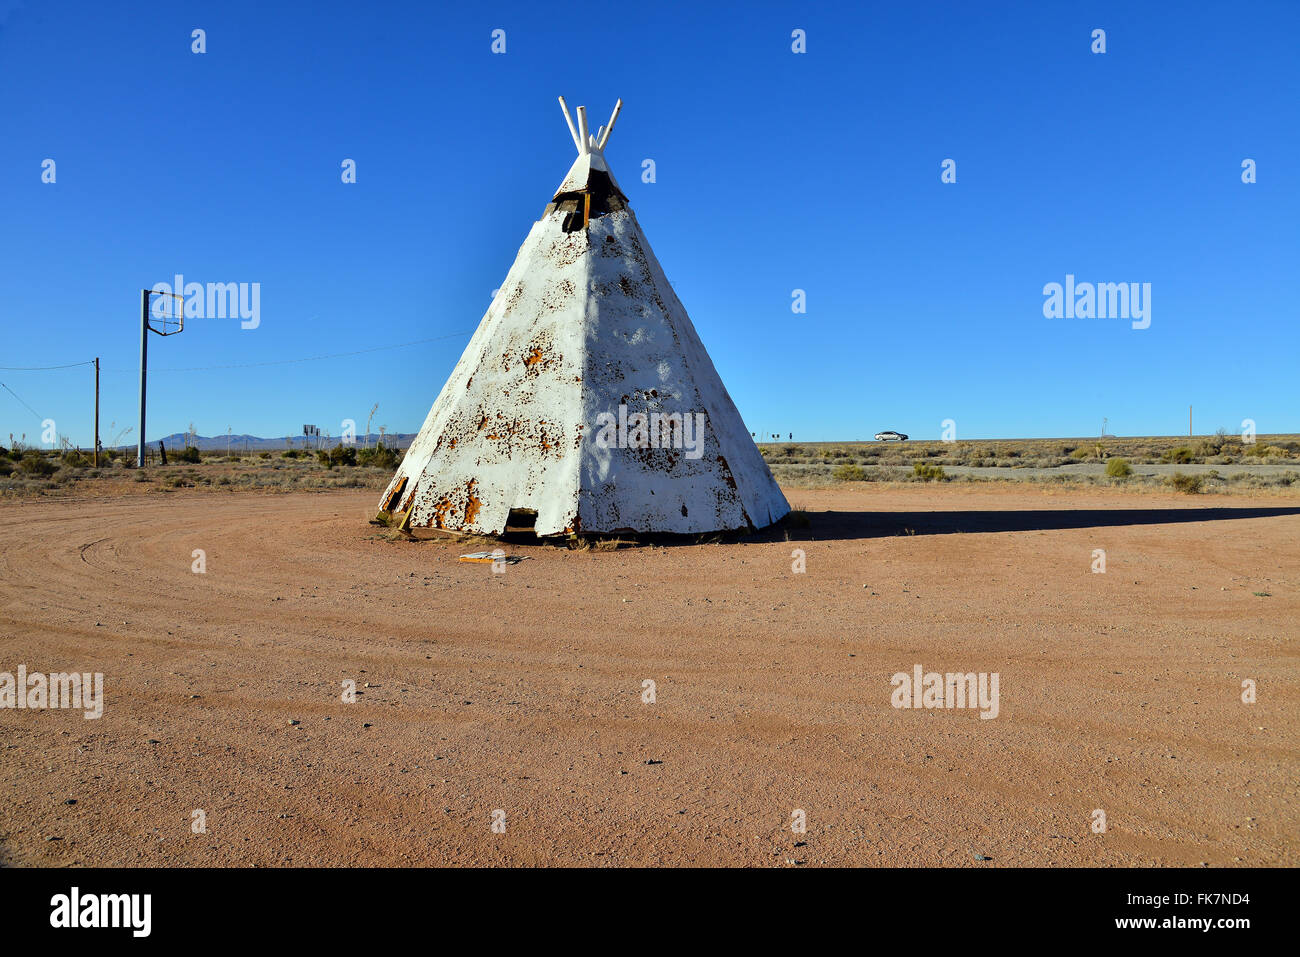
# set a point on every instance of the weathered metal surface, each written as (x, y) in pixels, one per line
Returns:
(584, 323)
(579, 174)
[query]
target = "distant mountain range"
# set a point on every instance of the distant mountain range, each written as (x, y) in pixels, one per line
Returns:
(255, 443)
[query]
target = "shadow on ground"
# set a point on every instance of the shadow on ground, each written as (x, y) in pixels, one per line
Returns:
(824, 526)
(829, 526)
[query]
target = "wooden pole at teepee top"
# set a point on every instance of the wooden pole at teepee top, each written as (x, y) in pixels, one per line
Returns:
(568, 119)
(609, 127)
(584, 144)
(581, 133)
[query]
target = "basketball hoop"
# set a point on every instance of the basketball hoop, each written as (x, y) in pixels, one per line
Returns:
(166, 315)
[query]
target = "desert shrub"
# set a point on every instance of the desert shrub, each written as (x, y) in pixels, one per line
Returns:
(1179, 456)
(263, 455)
(34, 463)
(379, 457)
(187, 454)
(75, 459)
(789, 450)
(1208, 447)
(849, 473)
(7, 468)
(1118, 468)
(339, 455)
(1190, 484)
(1079, 453)
(290, 454)
(1267, 451)
(928, 473)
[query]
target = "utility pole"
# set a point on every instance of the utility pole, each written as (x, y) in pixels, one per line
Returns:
(144, 365)
(96, 411)
(145, 329)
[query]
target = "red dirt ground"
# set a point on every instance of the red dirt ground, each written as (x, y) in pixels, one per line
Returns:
(522, 691)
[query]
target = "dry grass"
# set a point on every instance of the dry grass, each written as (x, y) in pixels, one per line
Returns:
(798, 517)
(1040, 453)
(37, 473)
(818, 464)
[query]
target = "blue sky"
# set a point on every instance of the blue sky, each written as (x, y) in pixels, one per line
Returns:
(776, 171)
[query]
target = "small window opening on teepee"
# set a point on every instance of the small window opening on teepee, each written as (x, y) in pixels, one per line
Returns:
(521, 527)
(521, 520)
(395, 496)
(600, 197)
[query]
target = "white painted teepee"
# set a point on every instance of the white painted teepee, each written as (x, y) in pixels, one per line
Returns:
(585, 398)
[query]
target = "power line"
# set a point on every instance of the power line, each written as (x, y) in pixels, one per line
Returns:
(20, 399)
(248, 365)
(332, 355)
(70, 365)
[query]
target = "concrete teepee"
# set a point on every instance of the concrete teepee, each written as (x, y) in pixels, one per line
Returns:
(585, 401)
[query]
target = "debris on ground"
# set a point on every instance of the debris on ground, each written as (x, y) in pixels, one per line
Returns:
(488, 558)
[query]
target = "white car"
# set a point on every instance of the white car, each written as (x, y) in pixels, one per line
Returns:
(890, 437)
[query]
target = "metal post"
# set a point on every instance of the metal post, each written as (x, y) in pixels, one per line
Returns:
(144, 366)
(96, 411)
(584, 145)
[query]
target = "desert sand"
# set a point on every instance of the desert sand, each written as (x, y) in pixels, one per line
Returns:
(522, 691)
